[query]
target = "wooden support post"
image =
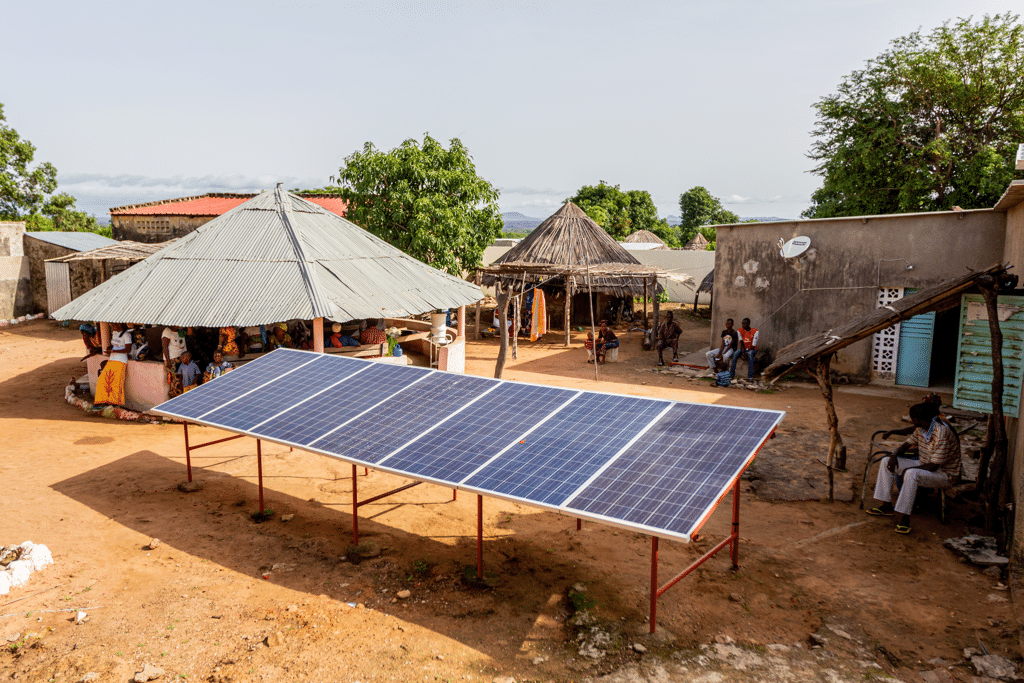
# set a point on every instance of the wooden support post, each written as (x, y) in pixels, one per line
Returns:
(997, 425)
(568, 308)
(645, 311)
(259, 470)
(462, 321)
(476, 327)
(655, 306)
(516, 317)
(499, 366)
(104, 336)
(318, 335)
(823, 376)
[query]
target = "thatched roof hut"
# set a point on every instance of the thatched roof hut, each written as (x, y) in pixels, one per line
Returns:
(698, 243)
(570, 244)
(645, 237)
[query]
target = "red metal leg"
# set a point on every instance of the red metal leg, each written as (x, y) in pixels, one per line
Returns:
(654, 583)
(455, 494)
(366, 471)
(579, 524)
(355, 509)
(259, 470)
(188, 453)
(479, 537)
(736, 525)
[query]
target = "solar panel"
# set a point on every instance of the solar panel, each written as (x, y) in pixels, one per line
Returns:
(669, 479)
(403, 417)
(235, 384)
(556, 459)
(647, 464)
(455, 449)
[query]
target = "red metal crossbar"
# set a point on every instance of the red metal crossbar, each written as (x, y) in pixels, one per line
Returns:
(190, 448)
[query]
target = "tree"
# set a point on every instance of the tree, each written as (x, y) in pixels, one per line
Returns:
(699, 208)
(424, 199)
(24, 190)
(931, 123)
(622, 213)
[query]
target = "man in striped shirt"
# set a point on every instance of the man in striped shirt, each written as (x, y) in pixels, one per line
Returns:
(936, 466)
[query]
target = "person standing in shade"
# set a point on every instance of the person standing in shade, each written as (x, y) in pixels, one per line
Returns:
(110, 383)
(747, 348)
(668, 336)
(189, 372)
(173, 341)
(730, 341)
(937, 465)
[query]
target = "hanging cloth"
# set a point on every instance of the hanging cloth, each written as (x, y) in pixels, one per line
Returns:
(538, 316)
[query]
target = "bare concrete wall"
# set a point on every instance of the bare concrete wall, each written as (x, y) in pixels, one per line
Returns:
(151, 229)
(838, 278)
(1013, 253)
(15, 280)
(36, 252)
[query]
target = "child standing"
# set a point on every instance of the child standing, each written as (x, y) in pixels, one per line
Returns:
(189, 372)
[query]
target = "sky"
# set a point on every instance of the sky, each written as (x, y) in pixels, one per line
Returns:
(136, 102)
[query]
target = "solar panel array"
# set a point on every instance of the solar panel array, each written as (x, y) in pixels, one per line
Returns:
(648, 464)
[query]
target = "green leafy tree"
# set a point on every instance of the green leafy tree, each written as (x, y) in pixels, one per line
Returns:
(622, 213)
(699, 208)
(424, 199)
(931, 123)
(24, 190)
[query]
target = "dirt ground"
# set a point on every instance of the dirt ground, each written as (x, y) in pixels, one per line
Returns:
(225, 599)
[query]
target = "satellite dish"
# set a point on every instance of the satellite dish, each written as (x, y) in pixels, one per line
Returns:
(795, 247)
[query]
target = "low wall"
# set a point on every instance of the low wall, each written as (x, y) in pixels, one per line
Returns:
(145, 385)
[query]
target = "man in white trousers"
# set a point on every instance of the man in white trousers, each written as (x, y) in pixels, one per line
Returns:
(937, 465)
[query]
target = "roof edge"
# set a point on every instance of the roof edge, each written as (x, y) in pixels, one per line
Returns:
(879, 216)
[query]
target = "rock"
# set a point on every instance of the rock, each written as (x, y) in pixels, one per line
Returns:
(38, 555)
(980, 550)
(736, 597)
(970, 652)
(637, 647)
(293, 608)
(91, 676)
(18, 572)
(190, 486)
(993, 571)
(274, 639)
(288, 517)
(282, 567)
(994, 666)
(81, 617)
(817, 640)
(995, 597)
(936, 676)
(5, 583)
(154, 543)
(148, 673)
(403, 594)
(504, 679)
(538, 660)
(14, 637)
(723, 639)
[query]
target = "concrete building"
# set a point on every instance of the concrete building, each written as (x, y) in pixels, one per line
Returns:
(852, 266)
(15, 287)
(172, 218)
(42, 246)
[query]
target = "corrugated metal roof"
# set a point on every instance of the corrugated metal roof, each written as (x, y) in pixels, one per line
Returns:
(79, 241)
(276, 257)
(125, 250)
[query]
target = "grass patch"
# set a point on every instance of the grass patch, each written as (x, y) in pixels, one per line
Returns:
(260, 517)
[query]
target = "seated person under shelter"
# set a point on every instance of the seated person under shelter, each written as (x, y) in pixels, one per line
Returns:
(668, 337)
(730, 342)
(606, 340)
(218, 367)
(374, 333)
(937, 464)
(279, 338)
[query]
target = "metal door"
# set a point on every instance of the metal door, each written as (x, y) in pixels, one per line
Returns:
(914, 364)
(58, 285)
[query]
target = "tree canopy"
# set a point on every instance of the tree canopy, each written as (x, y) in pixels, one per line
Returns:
(622, 213)
(931, 123)
(698, 208)
(26, 192)
(424, 199)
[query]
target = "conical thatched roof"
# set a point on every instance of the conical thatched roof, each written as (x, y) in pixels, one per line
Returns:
(698, 243)
(569, 239)
(645, 237)
(276, 257)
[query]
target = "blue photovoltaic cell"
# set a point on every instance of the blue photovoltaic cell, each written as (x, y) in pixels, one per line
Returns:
(244, 378)
(305, 423)
(283, 393)
(403, 417)
(474, 436)
(676, 472)
(568, 449)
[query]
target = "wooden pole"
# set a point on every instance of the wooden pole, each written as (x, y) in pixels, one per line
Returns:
(462, 322)
(318, 335)
(593, 329)
(499, 366)
(476, 327)
(516, 316)
(823, 376)
(645, 309)
(568, 307)
(655, 306)
(997, 425)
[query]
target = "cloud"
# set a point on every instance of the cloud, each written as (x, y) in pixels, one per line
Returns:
(775, 199)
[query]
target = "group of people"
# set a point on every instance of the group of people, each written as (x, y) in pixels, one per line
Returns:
(736, 344)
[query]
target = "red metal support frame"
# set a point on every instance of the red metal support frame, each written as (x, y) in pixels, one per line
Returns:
(189, 448)
(479, 536)
(732, 540)
(355, 509)
(259, 470)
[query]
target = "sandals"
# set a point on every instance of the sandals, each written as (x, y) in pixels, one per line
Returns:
(902, 529)
(880, 512)
(661, 363)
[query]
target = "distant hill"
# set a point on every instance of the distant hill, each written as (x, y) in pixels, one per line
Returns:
(517, 222)
(676, 220)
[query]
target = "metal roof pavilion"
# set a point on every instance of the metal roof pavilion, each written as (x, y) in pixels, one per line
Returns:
(276, 257)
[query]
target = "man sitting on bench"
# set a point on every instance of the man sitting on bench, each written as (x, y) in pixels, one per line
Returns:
(937, 465)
